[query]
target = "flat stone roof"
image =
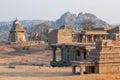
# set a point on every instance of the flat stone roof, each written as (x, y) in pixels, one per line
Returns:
(74, 45)
(97, 32)
(93, 62)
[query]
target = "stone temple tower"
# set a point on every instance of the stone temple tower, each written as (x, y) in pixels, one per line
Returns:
(17, 32)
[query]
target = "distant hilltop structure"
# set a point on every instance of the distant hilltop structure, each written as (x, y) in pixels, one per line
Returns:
(17, 32)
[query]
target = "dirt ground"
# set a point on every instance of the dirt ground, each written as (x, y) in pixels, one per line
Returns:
(27, 69)
(48, 73)
(35, 56)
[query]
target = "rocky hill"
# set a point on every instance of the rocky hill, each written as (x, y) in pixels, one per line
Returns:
(75, 20)
(67, 18)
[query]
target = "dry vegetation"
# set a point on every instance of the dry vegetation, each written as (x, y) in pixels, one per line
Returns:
(27, 70)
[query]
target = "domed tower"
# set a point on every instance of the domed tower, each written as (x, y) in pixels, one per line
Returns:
(17, 32)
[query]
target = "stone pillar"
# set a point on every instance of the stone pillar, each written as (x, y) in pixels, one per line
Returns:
(87, 69)
(61, 49)
(81, 70)
(81, 38)
(65, 54)
(54, 53)
(78, 38)
(92, 38)
(82, 54)
(74, 53)
(68, 54)
(86, 40)
(87, 55)
(105, 37)
(71, 57)
(73, 69)
(101, 37)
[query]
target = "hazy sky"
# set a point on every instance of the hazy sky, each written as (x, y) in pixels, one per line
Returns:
(108, 10)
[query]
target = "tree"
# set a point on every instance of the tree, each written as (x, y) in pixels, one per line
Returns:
(88, 24)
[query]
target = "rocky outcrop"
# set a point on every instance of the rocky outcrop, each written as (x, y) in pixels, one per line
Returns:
(75, 20)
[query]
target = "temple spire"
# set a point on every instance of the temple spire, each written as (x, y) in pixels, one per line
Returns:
(17, 32)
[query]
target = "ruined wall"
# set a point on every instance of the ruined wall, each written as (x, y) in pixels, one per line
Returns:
(52, 36)
(64, 36)
(60, 36)
(28, 43)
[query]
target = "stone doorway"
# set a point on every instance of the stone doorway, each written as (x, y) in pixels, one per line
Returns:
(90, 69)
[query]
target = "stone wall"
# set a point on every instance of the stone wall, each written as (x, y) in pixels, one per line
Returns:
(60, 36)
(109, 68)
(52, 37)
(23, 44)
(107, 56)
(64, 36)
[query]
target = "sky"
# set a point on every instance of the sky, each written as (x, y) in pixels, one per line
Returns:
(107, 10)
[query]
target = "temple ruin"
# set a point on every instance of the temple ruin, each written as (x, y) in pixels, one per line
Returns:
(105, 58)
(93, 51)
(17, 36)
(17, 32)
(61, 35)
(69, 52)
(66, 34)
